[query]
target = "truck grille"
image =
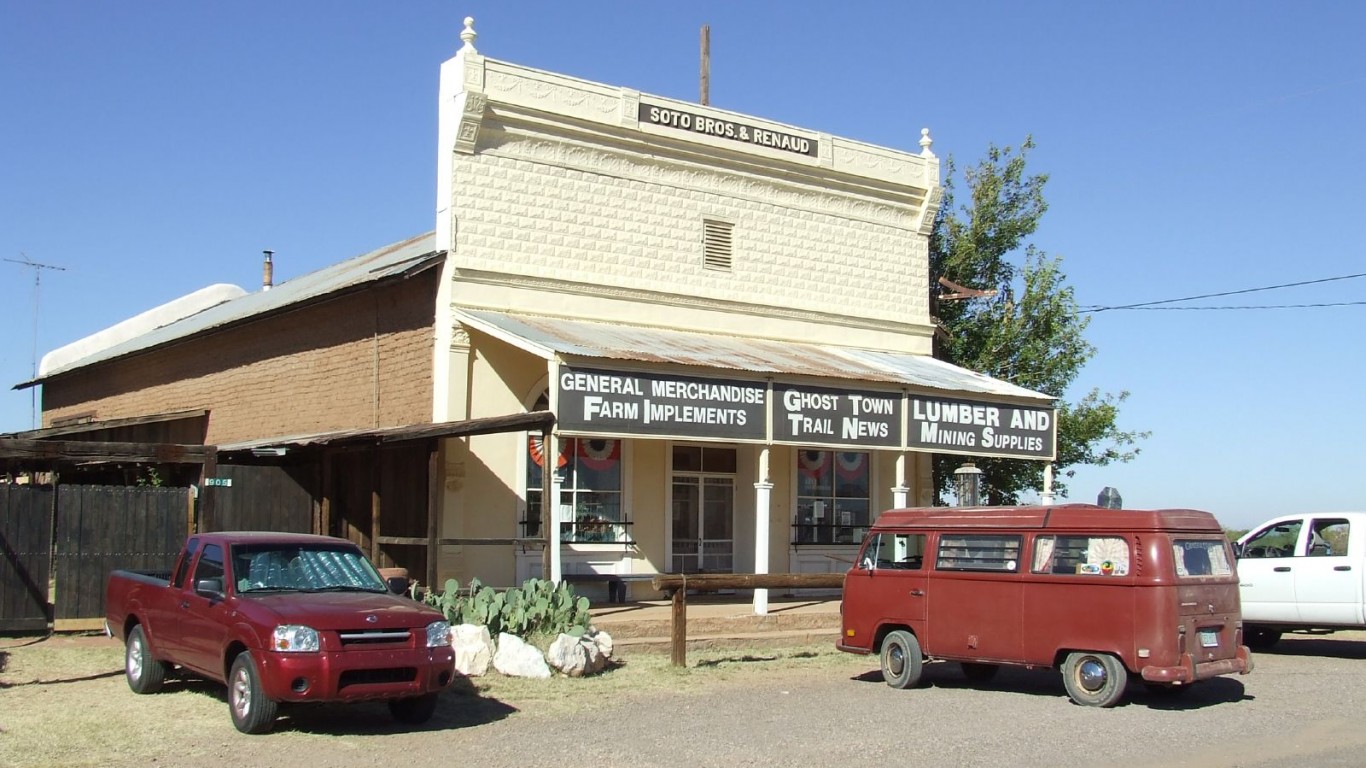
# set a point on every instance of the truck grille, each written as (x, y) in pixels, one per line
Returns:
(374, 637)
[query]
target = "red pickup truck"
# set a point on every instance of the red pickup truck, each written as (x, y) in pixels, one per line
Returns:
(280, 617)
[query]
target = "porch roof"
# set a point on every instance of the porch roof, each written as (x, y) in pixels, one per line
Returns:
(549, 337)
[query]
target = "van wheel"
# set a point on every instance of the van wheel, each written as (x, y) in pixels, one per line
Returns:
(1094, 679)
(979, 673)
(903, 664)
(252, 711)
(1260, 638)
(145, 674)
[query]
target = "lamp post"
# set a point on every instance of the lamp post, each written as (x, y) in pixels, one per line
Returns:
(968, 479)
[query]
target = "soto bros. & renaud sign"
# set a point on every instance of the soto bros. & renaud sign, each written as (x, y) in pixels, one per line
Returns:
(598, 402)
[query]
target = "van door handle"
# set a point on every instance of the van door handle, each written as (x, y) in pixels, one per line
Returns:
(1281, 569)
(917, 593)
(1342, 567)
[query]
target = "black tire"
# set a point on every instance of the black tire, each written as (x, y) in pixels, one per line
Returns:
(1260, 638)
(252, 711)
(979, 673)
(903, 665)
(415, 710)
(145, 674)
(1094, 679)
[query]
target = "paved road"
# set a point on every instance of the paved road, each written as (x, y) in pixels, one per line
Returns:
(1303, 707)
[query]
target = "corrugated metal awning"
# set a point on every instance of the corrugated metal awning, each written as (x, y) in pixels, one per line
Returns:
(550, 337)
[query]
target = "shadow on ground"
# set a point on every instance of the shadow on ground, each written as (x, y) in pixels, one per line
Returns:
(1042, 682)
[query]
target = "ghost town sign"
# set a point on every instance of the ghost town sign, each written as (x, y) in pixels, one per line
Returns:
(726, 129)
(601, 402)
(811, 416)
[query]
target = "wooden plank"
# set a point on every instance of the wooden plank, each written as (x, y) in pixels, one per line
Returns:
(78, 625)
(407, 541)
(78, 451)
(678, 624)
(435, 485)
(536, 542)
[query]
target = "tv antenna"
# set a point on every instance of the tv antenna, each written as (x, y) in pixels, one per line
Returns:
(37, 268)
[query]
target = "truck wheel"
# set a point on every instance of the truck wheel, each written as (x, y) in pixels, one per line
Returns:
(903, 664)
(415, 710)
(252, 711)
(979, 673)
(145, 674)
(1260, 638)
(1094, 679)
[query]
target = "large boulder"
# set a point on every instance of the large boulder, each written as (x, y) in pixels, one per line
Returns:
(515, 658)
(473, 649)
(579, 656)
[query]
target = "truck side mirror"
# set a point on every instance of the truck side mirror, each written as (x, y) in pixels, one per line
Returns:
(209, 588)
(1237, 550)
(397, 584)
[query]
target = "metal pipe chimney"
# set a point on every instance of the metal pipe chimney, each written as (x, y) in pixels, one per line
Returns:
(267, 271)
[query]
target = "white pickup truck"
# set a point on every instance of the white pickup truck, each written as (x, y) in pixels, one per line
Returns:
(1302, 573)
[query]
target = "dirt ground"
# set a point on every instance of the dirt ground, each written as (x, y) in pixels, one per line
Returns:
(65, 702)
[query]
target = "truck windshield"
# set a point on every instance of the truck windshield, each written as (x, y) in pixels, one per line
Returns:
(291, 568)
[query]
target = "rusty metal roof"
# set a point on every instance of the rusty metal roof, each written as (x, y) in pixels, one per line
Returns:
(577, 341)
(392, 261)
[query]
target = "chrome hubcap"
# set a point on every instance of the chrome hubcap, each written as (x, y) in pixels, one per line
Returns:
(241, 700)
(135, 660)
(1091, 675)
(896, 660)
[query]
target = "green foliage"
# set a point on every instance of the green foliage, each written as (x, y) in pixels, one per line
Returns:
(537, 609)
(1028, 333)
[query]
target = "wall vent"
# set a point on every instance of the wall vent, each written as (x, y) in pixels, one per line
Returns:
(716, 244)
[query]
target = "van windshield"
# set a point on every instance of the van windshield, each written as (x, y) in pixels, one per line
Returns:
(1201, 557)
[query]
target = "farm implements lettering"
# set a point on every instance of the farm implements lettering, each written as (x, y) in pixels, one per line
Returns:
(646, 411)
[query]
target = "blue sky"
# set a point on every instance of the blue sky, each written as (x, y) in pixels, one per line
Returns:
(153, 148)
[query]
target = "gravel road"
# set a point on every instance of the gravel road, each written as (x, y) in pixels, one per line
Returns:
(1302, 706)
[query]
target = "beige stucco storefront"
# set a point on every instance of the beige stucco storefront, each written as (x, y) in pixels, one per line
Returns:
(728, 316)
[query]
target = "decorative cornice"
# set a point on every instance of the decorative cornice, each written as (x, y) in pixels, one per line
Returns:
(471, 117)
(529, 90)
(696, 178)
(460, 339)
(927, 216)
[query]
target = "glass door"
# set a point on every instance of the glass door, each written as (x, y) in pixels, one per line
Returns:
(703, 524)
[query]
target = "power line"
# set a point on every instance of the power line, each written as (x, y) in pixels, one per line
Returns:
(1246, 306)
(1152, 304)
(37, 280)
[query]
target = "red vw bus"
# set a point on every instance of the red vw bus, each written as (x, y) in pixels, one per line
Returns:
(1098, 593)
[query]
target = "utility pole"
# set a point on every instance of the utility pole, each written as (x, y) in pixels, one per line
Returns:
(37, 282)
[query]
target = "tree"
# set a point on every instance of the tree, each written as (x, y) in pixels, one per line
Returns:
(1029, 332)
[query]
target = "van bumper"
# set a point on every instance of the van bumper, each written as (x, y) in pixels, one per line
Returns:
(1189, 671)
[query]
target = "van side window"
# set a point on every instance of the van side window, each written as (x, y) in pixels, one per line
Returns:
(1274, 541)
(1200, 557)
(903, 551)
(1092, 555)
(978, 552)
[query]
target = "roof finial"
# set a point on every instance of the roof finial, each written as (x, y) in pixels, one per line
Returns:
(925, 142)
(468, 35)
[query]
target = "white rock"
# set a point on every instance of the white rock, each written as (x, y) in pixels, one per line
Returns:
(515, 658)
(602, 640)
(473, 649)
(568, 655)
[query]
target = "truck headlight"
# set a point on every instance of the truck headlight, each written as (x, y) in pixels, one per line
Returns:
(291, 638)
(438, 634)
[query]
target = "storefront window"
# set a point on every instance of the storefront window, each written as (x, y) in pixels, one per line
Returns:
(589, 472)
(832, 497)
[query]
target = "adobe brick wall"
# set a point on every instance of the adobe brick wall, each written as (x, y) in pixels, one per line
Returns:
(362, 360)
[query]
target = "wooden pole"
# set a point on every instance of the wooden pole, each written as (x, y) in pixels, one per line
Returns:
(706, 64)
(678, 623)
(434, 506)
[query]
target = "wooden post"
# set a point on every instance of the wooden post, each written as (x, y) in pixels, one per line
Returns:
(206, 505)
(325, 494)
(434, 499)
(678, 624)
(706, 64)
(376, 469)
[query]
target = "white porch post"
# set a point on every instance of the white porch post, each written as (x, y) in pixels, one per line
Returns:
(552, 518)
(763, 492)
(900, 492)
(1046, 498)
